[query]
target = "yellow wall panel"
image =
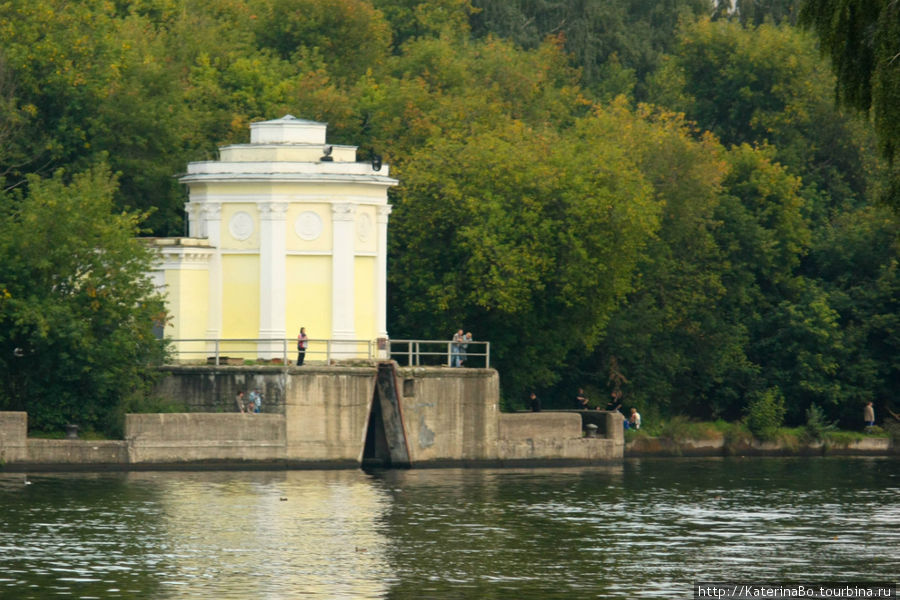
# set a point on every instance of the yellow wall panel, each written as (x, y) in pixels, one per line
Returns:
(240, 296)
(308, 293)
(301, 226)
(234, 226)
(365, 302)
(366, 238)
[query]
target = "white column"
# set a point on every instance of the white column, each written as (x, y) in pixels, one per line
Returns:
(210, 223)
(272, 271)
(343, 305)
(381, 272)
(194, 211)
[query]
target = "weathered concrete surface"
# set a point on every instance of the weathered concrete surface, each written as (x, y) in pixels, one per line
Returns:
(182, 438)
(450, 414)
(650, 446)
(13, 437)
(76, 452)
(213, 389)
(325, 413)
(551, 436)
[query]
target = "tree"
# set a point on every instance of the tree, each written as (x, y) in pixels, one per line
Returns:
(615, 43)
(525, 236)
(861, 37)
(77, 308)
(678, 350)
(767, 85)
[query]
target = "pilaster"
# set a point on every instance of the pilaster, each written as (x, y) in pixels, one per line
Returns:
(343, 217)
(272, 270)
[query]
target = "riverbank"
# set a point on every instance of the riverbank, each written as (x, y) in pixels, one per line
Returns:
(787, 443)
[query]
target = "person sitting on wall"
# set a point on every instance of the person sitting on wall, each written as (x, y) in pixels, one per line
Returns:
(634, 421)
(255, 402)
(615, 403)
(239, 400)
(581, 401)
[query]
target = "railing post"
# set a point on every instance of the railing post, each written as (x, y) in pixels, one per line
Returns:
(217, 352)
(327, 352)
(487, 355)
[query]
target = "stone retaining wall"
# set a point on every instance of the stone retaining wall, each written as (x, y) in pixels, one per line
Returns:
(319, 416)
(649, 446)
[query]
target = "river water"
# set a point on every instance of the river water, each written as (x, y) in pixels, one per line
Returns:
(645, 528)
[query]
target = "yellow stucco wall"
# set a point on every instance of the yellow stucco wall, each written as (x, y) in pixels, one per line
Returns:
(366, 238)
(240, 296)
(364, 291)
(228, 241)
(187, 293)
(293, 241)
(308, 291)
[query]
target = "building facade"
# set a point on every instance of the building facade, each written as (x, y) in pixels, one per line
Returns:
(285, 232)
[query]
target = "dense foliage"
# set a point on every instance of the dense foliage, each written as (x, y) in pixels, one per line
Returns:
(656, 198)
(77, 308)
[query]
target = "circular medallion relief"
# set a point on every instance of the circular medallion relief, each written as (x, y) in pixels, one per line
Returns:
(308, 226)
(364, 227)
(241, 225)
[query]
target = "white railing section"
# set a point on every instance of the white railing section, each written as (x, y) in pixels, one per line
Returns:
(242, 350)
(239, 351)
(431, 352)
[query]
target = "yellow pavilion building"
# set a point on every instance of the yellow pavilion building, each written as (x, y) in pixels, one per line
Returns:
(285, 232)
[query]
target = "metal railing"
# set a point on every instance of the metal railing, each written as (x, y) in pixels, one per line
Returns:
(262, 350)
(239, 351)
(441, 352)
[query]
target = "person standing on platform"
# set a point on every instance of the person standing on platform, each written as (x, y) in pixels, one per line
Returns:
(302, 342)
(456, 348)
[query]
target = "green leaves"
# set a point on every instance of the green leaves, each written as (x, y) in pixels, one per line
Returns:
(77, 303)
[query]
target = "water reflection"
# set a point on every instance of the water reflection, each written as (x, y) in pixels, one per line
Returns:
(646, 528)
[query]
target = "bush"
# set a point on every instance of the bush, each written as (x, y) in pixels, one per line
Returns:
(816, 424)
(765, 414)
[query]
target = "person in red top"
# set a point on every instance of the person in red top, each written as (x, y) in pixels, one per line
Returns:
(302, 342)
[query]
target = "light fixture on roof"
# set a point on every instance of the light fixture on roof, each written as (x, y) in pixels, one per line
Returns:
(376, 162)
(326, 154)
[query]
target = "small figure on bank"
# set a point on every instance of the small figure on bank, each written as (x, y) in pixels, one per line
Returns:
(302, 342)
(869, 415)
(581, 401)
(634, 421)
(239, 400)
(255, 402)
(534, 402)
(456, 348)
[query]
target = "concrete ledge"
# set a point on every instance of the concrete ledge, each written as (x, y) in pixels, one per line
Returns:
(542, 426)
(76, 452)
(648, 446)
(573, 449)
(191, 437)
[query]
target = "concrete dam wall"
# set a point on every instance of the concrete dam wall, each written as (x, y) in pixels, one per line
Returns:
(336, 416)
